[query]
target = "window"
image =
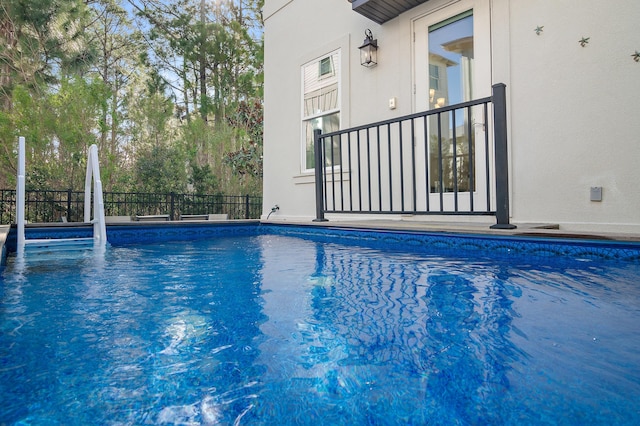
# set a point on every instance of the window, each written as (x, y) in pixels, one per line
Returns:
(326, 67)
(434, 77)
(320, 103)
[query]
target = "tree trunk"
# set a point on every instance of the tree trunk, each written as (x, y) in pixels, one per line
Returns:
(203, 61)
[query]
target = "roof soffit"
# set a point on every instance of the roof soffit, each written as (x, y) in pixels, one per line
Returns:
(381, 11)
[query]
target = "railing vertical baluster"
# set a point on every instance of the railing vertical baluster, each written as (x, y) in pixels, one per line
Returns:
(369, 168)
(350, 176)
(485, 122)
(455, 161)
(341, 173)
(502, 160)
(359, 172)
(426, 161)
(413, 165)
(400, 143)
(470, 140)
(390, 169)
(440, 171)
(333, 176)
(379, 170)
(324, 171)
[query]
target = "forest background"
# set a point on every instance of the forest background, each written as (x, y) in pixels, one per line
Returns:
(169, 90)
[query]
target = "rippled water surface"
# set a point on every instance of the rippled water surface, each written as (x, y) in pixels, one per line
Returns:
(282, 330)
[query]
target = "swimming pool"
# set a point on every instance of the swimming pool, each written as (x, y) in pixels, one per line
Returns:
(290, 326)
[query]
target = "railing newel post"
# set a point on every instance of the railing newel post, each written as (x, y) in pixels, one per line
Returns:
(319, 165)
(499, 99)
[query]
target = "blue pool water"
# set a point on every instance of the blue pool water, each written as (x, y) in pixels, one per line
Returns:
(276, 329)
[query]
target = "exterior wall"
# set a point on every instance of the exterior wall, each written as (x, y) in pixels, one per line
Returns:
(296, 32)
(574, 113)
(572, 109)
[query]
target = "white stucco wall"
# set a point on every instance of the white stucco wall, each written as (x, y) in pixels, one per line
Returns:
(574, 116)
(296, 32)
(573, 110)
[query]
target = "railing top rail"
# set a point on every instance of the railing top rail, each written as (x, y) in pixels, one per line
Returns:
(413, 116)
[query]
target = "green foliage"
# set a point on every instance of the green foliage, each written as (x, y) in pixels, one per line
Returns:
(58, 128)
(213, 50)
(247, 121)
(247, 118)
(41, 41)
(246, 160)
(161, 169)
(202, 179)
(150, 117)
(173, 108)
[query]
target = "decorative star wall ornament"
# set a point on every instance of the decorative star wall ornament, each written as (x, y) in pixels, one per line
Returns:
(584, 41)
(636, 56)
(538, 29)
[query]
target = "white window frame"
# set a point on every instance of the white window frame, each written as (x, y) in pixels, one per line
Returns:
(323, 80)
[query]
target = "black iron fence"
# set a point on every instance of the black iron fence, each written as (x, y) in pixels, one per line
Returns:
(448, 160)
(57, 206)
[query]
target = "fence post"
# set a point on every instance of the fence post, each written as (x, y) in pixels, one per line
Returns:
(499, 98)
(246, 206)
(69, 218)
(319, 164)
(173, 206)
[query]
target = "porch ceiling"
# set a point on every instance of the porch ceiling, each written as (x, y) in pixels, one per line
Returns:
(381, 11)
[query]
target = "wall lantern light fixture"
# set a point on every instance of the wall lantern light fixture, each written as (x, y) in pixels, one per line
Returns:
(369, 50)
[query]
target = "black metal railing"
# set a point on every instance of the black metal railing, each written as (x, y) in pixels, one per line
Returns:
(442, 161)
(56, 206)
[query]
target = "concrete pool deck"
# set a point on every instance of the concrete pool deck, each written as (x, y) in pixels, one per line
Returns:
(479, 228)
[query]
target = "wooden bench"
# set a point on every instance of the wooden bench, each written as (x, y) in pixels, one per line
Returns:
(117, 219)
(194, 217)
(216, 216)
(219, 216)
(153, 218)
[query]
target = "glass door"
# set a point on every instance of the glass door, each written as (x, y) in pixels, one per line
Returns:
(453, 66)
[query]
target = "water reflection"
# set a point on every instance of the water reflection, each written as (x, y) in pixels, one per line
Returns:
(438, 325)
(403, 334)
